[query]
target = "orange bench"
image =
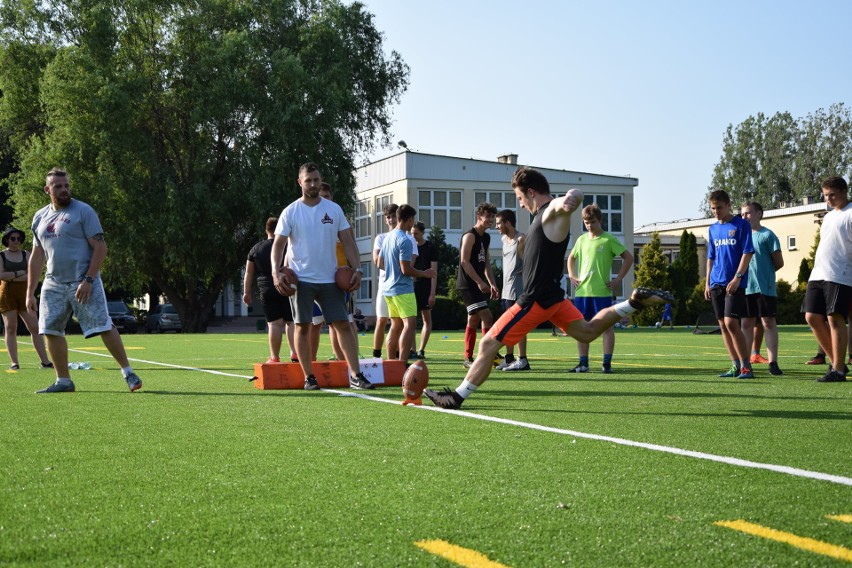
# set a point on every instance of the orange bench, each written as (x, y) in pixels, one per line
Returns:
(329, 374)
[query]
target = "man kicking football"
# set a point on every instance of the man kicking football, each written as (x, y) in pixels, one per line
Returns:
(543, 298)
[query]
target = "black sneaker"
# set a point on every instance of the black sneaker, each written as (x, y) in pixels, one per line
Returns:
(360, 382)
(606, 369)
(448, 399)
(311, 383)
(774, 370)
(832, 377)
(649, 296)
(47, 365)
(377, 353)
(421, 355)
(412, 354)
(61, 387)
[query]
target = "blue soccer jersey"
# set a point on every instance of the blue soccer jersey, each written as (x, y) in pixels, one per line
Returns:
(726, 246)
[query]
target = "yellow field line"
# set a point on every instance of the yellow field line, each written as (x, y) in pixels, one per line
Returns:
(461, 556)
(841, 518)
(809, 544)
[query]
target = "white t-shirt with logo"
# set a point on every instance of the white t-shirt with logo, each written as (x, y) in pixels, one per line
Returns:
(313, 233)
(833, 259)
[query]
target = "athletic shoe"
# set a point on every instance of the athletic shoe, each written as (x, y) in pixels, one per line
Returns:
(14, 367)
(606, 368)
(421, 355)
(498, 359)
(272, 360)
(774, 370)
(732, 372)
(311, 383)
(758, 358)
(417, 355)
(832, 377)
(745, 374)
(58, 387)
(819, 359)
(412, 354)
(360, 382)
(134, 383)
(506, 362)
(580, 369)
(518, 365)
(468, 362)
(47, 365)
(449, 399)
(650, 296)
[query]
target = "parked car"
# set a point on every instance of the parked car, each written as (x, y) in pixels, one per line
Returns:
(122, 316)
(163, 318)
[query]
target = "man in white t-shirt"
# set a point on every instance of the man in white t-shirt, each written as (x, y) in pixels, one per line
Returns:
(312, 226)
(829, 291)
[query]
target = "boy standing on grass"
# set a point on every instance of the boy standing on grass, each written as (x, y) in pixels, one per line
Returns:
(829, 290)
(543, 298)
(729, 251)
(589, 267)
(761, 293)
(513, 283)
(395, 259)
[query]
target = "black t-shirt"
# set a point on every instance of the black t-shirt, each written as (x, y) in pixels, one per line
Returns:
(427, 253)
(261, 255)
(478, 255)
(544, 263)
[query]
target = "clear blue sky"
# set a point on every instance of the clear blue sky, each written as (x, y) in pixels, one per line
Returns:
(611, 87)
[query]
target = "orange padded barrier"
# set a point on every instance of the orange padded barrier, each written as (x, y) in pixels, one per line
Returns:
(329, 374)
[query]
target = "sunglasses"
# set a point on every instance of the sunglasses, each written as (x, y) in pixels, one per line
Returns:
(16, 239)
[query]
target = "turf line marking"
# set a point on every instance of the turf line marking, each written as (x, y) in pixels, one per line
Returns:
(624, 442)
(841, 518)
(621, 441)
(809, 544)
(461, 556)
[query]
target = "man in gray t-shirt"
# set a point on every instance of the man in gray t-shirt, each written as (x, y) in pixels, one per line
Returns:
(513, 283)
(68, 236)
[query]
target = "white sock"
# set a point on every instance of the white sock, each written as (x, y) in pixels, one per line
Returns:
(466, 389)
(126, 370)
(624, 308)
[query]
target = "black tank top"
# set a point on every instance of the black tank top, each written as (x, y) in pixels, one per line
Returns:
(478, 254)
(12, 266)
(544, 264)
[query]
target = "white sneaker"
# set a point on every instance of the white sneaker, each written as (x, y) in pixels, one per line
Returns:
(518, 365)
(502, 366)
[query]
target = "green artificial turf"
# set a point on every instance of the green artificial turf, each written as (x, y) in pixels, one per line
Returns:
(200, 469)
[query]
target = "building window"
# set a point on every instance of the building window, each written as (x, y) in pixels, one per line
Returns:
(500, 199)
(381, 203)
(791, 243)
(440, 207)
(362, 219)
(365, 292)
(612, 209)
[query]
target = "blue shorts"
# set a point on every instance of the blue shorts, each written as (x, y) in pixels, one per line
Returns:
(589, 306)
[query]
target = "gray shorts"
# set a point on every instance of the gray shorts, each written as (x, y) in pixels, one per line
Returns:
(329, 297)
(58, 303)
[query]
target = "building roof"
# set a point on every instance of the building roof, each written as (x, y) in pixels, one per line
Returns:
(693, 223)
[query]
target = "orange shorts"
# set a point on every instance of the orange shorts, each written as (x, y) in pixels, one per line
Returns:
(516, 322)
(13, 296)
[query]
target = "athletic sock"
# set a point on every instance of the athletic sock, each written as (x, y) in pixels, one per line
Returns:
(63, 381)
(377, 353)
(485, 331)
(509, 358)
(607, 359)
(469, 341)
(126, 370)
(466, 389)
(584, 361)
(624, 308)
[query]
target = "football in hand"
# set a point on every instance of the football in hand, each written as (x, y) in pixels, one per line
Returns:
(416, 379)
(343, 277)
(290, 280)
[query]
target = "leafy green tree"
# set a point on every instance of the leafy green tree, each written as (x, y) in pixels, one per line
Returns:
(448, 261)
(653, 272)
(184, 122)
(684, 276)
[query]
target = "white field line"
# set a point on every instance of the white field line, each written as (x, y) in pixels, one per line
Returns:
(620, 441)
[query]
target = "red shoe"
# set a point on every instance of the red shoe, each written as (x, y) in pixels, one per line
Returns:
(273, 360)
(817, 360)
(758, 358)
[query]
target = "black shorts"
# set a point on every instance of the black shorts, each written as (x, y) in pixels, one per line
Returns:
(761, 306)
(276, 306)
(823, 297)
(474, 300)
(505, 304)
(421, 294)
(725, 306)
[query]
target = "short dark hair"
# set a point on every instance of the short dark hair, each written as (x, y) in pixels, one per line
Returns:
(326, 186)
(56, 172)
(390, 209)
(486, 207)
(593, 211)
(754, 205)
(406, 212)
(271, 223)
(420, 225)
(526, 178)
(719, 196)
(508, 215)
(308, 167)
(835, 182)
